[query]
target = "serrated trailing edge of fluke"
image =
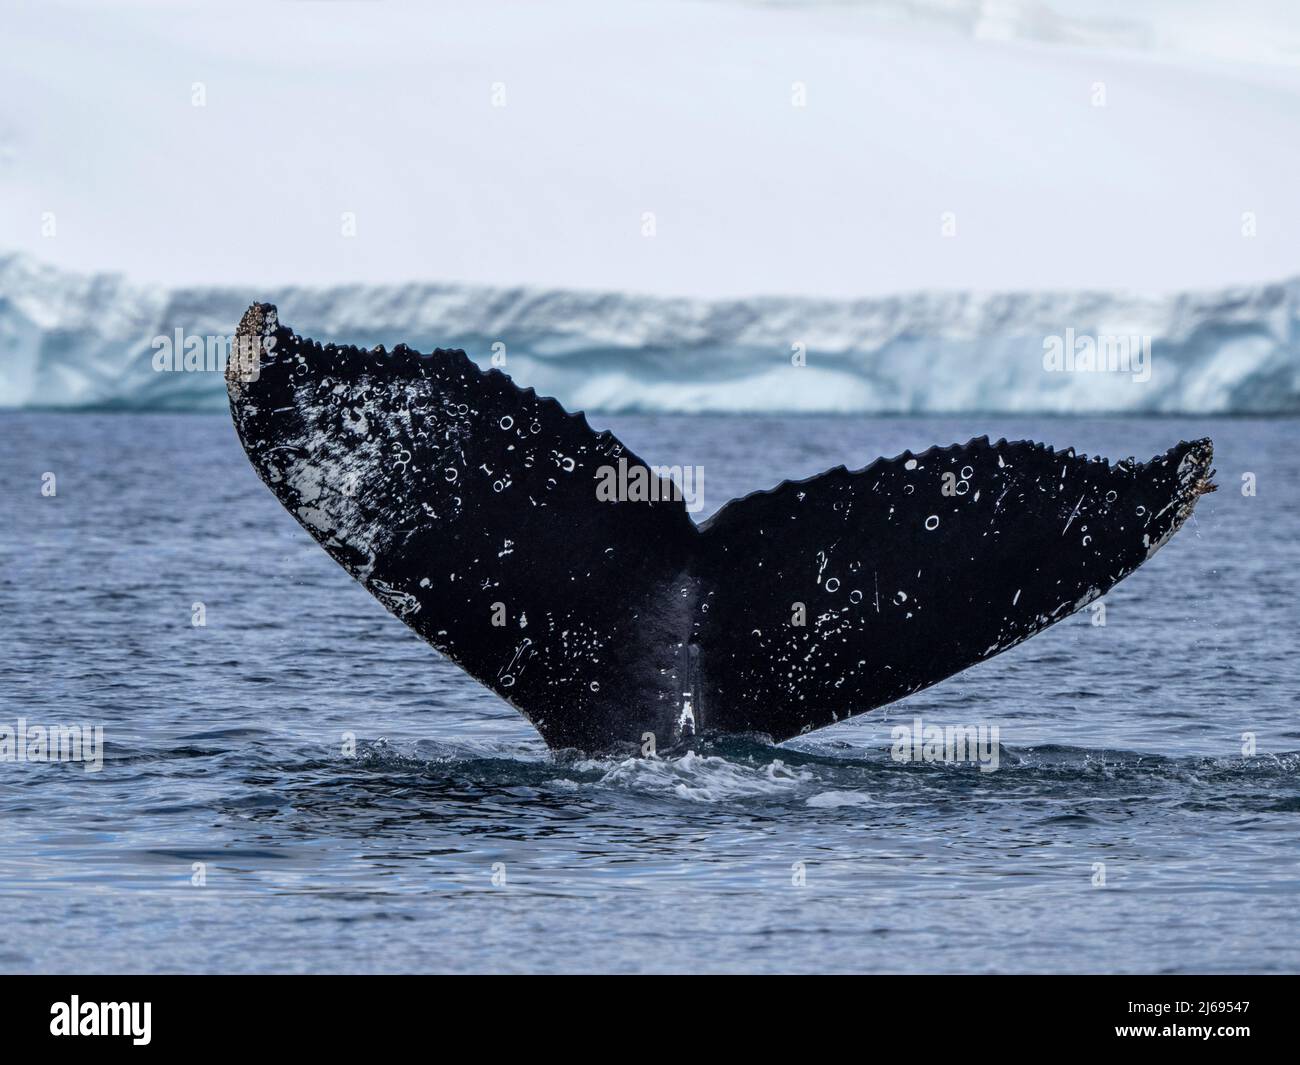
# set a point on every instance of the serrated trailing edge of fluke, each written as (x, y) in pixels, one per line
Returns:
(403, 357)
(1128, 465)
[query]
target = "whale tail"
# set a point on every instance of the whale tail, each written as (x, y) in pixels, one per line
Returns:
(474, 511)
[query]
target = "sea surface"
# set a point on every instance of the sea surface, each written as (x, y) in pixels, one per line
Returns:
(232, 828)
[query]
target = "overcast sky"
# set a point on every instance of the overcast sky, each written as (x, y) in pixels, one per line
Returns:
(699, 148)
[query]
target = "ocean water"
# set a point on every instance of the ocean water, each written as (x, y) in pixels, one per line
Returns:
(230, 830)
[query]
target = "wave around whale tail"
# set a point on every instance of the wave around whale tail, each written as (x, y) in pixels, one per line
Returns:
(470, 508)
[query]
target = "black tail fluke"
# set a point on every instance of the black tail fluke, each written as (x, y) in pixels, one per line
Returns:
(469, 508)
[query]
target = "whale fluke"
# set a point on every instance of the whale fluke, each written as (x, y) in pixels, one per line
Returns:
(469, 508)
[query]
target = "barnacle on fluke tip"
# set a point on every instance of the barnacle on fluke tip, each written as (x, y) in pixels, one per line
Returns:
(469, 508)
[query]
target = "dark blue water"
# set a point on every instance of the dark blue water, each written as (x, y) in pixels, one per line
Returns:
(1122, 745)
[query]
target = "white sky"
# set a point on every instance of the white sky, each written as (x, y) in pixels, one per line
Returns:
(620, 107)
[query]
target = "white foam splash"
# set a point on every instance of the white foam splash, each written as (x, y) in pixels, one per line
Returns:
(703, 778)
(826, 800)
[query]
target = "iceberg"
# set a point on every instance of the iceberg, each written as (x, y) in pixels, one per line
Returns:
(75, 341)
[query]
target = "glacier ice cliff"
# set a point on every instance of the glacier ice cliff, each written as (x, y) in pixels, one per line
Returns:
(77, 341)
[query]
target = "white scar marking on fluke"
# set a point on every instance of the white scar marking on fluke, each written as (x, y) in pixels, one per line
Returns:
(400, 603)
(306, 481)
(351, 487)
(1074, 514)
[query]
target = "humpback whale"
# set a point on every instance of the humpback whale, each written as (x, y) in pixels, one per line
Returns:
(468, 507)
